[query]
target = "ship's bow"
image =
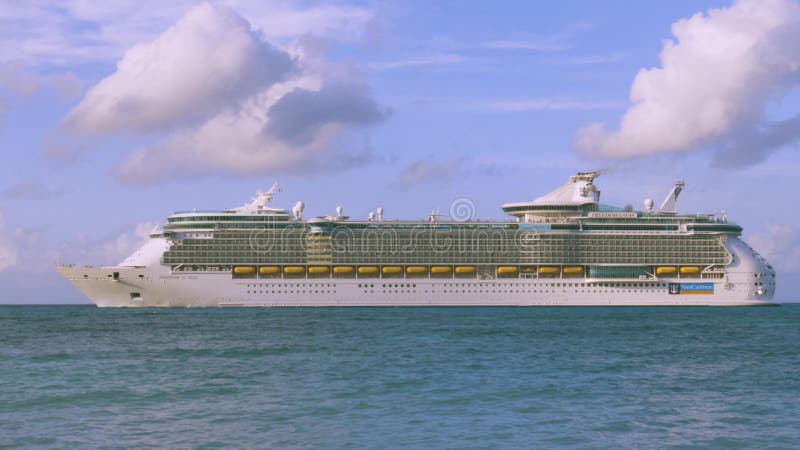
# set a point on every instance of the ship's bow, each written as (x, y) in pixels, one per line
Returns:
(105, 286)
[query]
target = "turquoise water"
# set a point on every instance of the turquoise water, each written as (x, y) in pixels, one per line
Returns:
(387, 378)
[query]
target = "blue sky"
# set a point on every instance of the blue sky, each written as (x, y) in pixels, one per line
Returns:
(113, 116)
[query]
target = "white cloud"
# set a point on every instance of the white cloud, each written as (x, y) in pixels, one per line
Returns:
(231, 142)
(52, 32)
(780, 244)
(219, 99)
(278, 131)
(39, 37)
(715, 81)
(208, 61)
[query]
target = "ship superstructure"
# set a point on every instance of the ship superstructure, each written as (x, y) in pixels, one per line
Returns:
(565, 248)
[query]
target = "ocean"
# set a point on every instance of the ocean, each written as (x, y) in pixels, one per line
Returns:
(83, 377)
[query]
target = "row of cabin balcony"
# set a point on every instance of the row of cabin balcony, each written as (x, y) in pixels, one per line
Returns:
(465, 271)
(227, 218)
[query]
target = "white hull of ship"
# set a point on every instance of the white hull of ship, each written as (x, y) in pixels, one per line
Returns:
(142, 287)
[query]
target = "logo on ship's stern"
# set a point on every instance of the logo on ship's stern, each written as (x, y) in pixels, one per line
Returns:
(691, 288)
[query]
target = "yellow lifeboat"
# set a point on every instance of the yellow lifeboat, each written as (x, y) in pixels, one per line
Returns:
(666, 270)
(343, 270)
(391, 270)
(465, 270)
(690, 270)
(548, 270)
(367, 270)
(573, 270)
(318, 270)
(244, 270)
(416, 270)
(507, 270)
(269, 270)
(294, 270)
(441, 270)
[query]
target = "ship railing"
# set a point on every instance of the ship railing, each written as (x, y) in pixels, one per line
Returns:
(75, 266)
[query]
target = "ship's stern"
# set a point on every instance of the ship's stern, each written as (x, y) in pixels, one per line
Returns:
(750, 277)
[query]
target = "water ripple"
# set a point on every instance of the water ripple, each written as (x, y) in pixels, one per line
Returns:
(400, 377)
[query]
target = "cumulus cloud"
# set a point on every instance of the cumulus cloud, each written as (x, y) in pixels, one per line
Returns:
(304, 133)
(232, 142)
(717, 78)
(209, 60)
(780, 244)
(222, 100)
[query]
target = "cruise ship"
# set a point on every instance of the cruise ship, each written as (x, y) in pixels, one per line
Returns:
(563, 249)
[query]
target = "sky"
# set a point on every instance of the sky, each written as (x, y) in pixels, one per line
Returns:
(115, 114)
